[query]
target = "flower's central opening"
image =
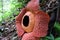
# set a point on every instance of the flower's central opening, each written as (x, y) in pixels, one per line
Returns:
(26, 21)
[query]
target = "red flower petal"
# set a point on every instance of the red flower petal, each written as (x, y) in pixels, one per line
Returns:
(41, 24)
(20, 31)
(29, 36)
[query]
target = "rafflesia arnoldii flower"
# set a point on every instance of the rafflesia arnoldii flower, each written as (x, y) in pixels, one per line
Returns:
(32, 23)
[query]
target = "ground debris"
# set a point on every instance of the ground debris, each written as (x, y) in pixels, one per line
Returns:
(8, 31)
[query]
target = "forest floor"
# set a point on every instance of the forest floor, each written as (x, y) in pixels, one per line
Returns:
(8, 31)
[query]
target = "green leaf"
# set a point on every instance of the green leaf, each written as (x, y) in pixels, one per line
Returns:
(50, 37)
(7, 14)
(57, 38)
(0, 17)
(57, 26)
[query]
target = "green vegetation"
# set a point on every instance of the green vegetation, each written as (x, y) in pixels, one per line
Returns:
(10, 8)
